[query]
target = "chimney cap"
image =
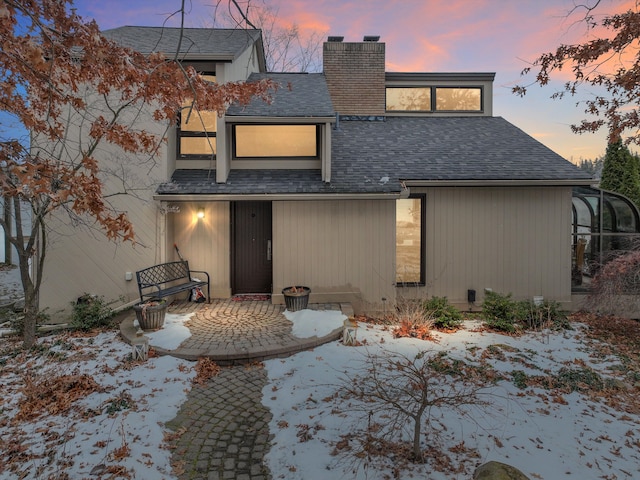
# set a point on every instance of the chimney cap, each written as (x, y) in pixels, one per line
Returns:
(335, 39)
(371, 38)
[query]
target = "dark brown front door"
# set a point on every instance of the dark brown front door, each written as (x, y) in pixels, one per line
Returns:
(251, 247)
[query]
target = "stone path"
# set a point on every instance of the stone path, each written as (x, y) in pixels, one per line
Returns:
(225, 428)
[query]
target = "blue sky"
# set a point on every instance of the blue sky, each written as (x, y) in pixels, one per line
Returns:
(499, 36)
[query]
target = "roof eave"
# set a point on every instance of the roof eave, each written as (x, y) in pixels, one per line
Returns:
(571, 182)
(218, 57)
(204, 197)
(259, 119)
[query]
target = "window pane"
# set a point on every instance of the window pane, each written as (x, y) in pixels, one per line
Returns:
(276, 141)
(197, 146)
(409, 99)
(408, 240)
(193, 120)
(625, 217)
(467, 99)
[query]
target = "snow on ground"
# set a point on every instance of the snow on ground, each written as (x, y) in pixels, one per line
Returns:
(119, 425)
(172, 333)
(309, 323)
(544, 433)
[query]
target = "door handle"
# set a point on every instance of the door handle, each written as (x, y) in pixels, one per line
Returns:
(268, 250)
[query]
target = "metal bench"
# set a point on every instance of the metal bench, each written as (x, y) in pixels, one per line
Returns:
(167, 279)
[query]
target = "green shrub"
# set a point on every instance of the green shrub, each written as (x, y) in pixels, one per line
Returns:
(444, 314)
(519, 379)
(500, 312)
(90, 312)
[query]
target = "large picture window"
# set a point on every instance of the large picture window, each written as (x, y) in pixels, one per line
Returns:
(410, 234)
(197, 130)
(269, 141)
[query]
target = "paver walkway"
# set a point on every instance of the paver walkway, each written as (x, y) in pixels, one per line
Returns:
(225, 428)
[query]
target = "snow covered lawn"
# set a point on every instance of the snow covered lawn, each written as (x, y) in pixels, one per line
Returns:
(78, 407)
(554, 404)
(563, 406)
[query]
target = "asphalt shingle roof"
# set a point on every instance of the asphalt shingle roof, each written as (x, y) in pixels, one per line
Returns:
(377, 156)
(257, 182)
(216, 43)
(445, 148)
(299, 95)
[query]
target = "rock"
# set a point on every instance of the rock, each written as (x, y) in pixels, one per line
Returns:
(498, 471)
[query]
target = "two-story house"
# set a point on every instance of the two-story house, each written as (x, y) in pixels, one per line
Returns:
(362, 184)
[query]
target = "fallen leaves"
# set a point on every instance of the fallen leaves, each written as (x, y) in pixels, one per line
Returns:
(53, 395)
(205, 369)
(62, 399)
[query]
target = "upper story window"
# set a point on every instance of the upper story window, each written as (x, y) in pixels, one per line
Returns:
(410, 99)
(197, 130)
(271, 141)
(434, 99)
(456, 99)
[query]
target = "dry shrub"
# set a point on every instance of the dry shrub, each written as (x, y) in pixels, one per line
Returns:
(54, 395)
(205, 369)
(412, 320)
(616, 285)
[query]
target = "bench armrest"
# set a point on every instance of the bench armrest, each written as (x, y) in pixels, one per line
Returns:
(199, 271)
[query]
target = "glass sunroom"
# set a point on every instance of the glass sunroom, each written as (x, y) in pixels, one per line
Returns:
(604, 224)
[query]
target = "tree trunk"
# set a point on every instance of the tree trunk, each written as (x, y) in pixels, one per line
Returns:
(30, 303)
(8, 248)
(30, 321)
(417, 425)
(417, 430)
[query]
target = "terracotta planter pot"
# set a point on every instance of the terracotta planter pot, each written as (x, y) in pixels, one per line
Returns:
(150, 314)
(296, 298)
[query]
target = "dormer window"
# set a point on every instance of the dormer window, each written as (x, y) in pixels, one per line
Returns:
(276, 141)
(197, 130)
(434, 99)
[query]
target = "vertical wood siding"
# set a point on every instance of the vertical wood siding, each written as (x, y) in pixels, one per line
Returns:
(336, 246)
(205, 243)
(512, 240)
(81, 261)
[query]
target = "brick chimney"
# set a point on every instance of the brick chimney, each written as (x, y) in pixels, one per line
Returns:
(355, 75)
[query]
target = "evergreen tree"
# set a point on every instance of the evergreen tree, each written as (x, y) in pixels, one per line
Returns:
(592, 166)
(621, 172)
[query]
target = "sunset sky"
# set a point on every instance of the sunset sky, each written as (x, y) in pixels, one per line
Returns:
(499, 36)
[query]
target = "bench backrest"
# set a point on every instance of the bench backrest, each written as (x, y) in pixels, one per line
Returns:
(163, 273)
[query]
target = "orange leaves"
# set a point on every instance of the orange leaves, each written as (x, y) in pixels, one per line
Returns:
(53, 395)
(606, 59)
(80, 94)
(205, 369)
